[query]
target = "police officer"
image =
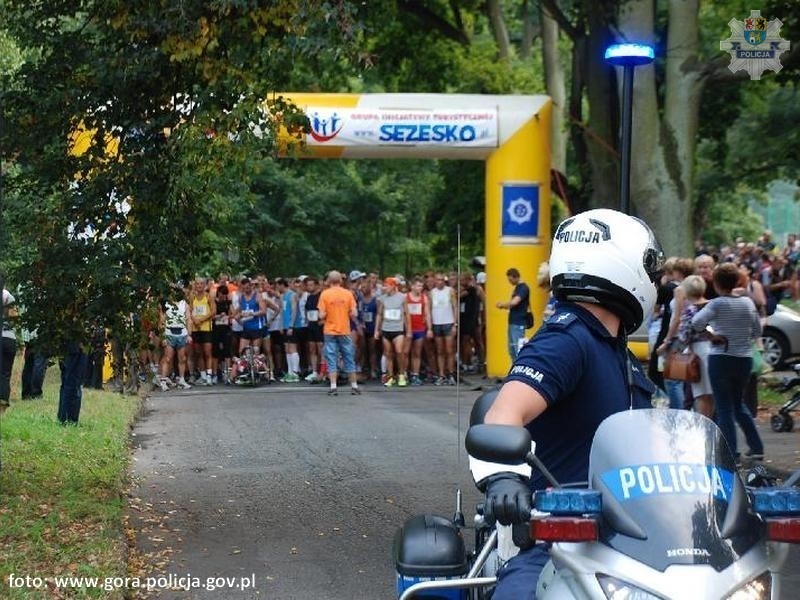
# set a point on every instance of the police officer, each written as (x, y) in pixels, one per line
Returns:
(575, 372)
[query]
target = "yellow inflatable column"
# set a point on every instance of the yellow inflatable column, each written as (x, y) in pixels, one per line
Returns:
(517, 228)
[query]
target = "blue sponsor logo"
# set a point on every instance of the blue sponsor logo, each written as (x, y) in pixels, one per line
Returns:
(415, 132)
(634, 482)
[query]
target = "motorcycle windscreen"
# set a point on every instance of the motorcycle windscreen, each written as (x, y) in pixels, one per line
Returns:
(671, 493)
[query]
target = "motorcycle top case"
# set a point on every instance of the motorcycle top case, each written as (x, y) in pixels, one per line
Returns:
(430, 547)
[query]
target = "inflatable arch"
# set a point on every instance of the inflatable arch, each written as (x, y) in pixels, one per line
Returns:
(510, 133)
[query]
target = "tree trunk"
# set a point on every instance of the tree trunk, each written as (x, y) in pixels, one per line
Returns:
(494, 9)
(654, 192)
(578, 201)
(601, 134)
(681, 113)
(556, 89)
(528, 31)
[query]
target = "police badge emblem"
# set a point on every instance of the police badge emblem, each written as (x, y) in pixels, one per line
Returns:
(755, 45)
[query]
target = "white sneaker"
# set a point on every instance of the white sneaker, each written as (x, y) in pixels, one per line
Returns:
(214, 380)
(183, 385)
(311, 377)
(162, 384)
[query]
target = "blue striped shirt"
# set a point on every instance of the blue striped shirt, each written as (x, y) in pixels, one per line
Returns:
(733, 317)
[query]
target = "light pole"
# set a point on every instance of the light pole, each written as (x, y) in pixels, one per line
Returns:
(627, 56)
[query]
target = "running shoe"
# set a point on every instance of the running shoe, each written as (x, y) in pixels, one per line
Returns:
(402, 381)
(183, 384)
(390, 382)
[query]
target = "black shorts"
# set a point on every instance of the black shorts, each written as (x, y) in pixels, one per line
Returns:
(289, 338)
(301, 335)
(276, 336)
(391, 335)
(201, 337)
(221, 341)
(470, 332)
(315, 333)
(252, 334)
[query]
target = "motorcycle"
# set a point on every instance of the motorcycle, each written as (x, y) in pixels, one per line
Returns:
(664, 515)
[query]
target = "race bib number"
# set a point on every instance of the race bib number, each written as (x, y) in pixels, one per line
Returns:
(462, 307)
(222, 320)
(312, 316)
(415, 309)
(392, 314)
(441, 301)
(366, 317)
(200, 310)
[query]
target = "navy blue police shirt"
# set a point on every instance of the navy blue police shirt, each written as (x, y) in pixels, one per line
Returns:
(581, 371)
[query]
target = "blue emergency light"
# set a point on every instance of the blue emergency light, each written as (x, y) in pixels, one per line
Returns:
(773, 502)
(623, 55)
(568, 502)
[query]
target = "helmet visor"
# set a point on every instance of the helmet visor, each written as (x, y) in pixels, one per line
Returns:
(653, 259)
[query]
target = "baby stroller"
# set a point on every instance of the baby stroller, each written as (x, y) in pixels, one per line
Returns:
(783, 421)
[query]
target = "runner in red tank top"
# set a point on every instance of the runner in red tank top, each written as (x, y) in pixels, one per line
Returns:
(419, 314)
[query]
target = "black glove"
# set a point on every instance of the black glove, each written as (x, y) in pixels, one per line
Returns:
(508, 499)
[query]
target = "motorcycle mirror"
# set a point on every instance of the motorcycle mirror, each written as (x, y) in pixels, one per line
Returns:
(506, 444)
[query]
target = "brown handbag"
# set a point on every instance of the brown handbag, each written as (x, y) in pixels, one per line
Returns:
(683, 366)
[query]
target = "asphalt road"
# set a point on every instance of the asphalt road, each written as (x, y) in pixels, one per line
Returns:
(303, 490)
(294, 493)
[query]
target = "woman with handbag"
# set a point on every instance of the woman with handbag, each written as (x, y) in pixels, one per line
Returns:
(693, 288)
(735, 328)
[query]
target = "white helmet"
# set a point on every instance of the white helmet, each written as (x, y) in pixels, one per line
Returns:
(606, 257)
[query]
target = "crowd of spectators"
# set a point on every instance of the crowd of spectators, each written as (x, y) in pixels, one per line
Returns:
(715, 305)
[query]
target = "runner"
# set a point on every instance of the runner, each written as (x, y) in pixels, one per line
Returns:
(176, 323)
(420, 326)
(367, 313)
(443, 312)
(203, 311)
(469, 322)
(289, 311)
(315, 335)
(390, 326)
(221, 335)
(250, 312)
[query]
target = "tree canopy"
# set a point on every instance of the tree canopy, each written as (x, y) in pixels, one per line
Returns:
(180, 172)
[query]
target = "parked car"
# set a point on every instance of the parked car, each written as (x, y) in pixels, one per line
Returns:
(781, 337)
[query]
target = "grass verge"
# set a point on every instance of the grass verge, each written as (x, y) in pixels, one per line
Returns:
(61, 491)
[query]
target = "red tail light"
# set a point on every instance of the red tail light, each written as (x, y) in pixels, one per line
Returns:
(564, 529)
(784, 530)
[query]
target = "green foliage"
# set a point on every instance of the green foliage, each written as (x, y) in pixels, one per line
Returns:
(179, 87)
(62, 488)
(764, 143)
